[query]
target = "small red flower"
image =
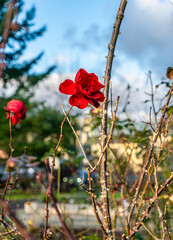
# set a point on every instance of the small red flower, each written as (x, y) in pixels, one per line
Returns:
(84, 90)
(16, 110)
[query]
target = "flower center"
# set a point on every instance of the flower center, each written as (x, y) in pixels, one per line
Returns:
(87, 88)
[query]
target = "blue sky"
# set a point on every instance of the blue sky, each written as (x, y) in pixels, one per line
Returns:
(74, 32)
(78, 33)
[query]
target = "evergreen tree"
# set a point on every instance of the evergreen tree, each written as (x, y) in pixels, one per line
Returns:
(17, 73)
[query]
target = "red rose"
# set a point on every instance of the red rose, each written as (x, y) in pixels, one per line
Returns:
(16, 110)
(84, 90)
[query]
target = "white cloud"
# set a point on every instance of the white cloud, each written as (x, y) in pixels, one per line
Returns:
(147, 34)
(48, 90)
(62, 59)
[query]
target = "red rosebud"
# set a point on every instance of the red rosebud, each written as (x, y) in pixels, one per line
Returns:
(16, 110)
(84, 90)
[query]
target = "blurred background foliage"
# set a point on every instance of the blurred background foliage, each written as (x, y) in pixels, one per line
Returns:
(40, 130)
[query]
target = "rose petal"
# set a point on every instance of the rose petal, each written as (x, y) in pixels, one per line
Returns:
(15, 120)
(78, 102)
(98, 96)
(93, 81)
(81, 75)
(23, 116)
(8, 115)
(67, 87)
(20, 115)
(94, 103)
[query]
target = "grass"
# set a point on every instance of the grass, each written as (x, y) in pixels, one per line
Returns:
(23, 195)
(64, 197)
(28, 195)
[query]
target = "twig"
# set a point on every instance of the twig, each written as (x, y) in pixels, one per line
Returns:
(19, 225)
(64, 225)
(124, 237)
(94, 203)
(14, 183)
(150, 173)
(6, 233)
(152, 95)
(46, 217)
(77, 139)
(149, 232)
(147, 210)
(46, 200)
(150, 123)
(7, 225)
(10, 130)
(4, 192)
(155, 136)
(107, 77)
(52, 169)
(124, 216)
(60, 138)
(157, 203)
(109, 137)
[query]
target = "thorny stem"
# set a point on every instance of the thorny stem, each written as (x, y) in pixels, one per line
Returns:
(60, 138)
(50, 186)
(94, 203)
(46, 217)
(147, 210)
(155, 136)
(3, 195)
(66, 229)
(21, 228)
(46, 203)
(52, 169)
(103, 164)
(10, 143)
(59, 181)
(109, 137)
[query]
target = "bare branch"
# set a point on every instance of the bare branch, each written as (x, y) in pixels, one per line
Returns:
(152, 201)
(21, 228)
(155, 137)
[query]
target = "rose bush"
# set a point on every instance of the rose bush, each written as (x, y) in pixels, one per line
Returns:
(84, 90)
